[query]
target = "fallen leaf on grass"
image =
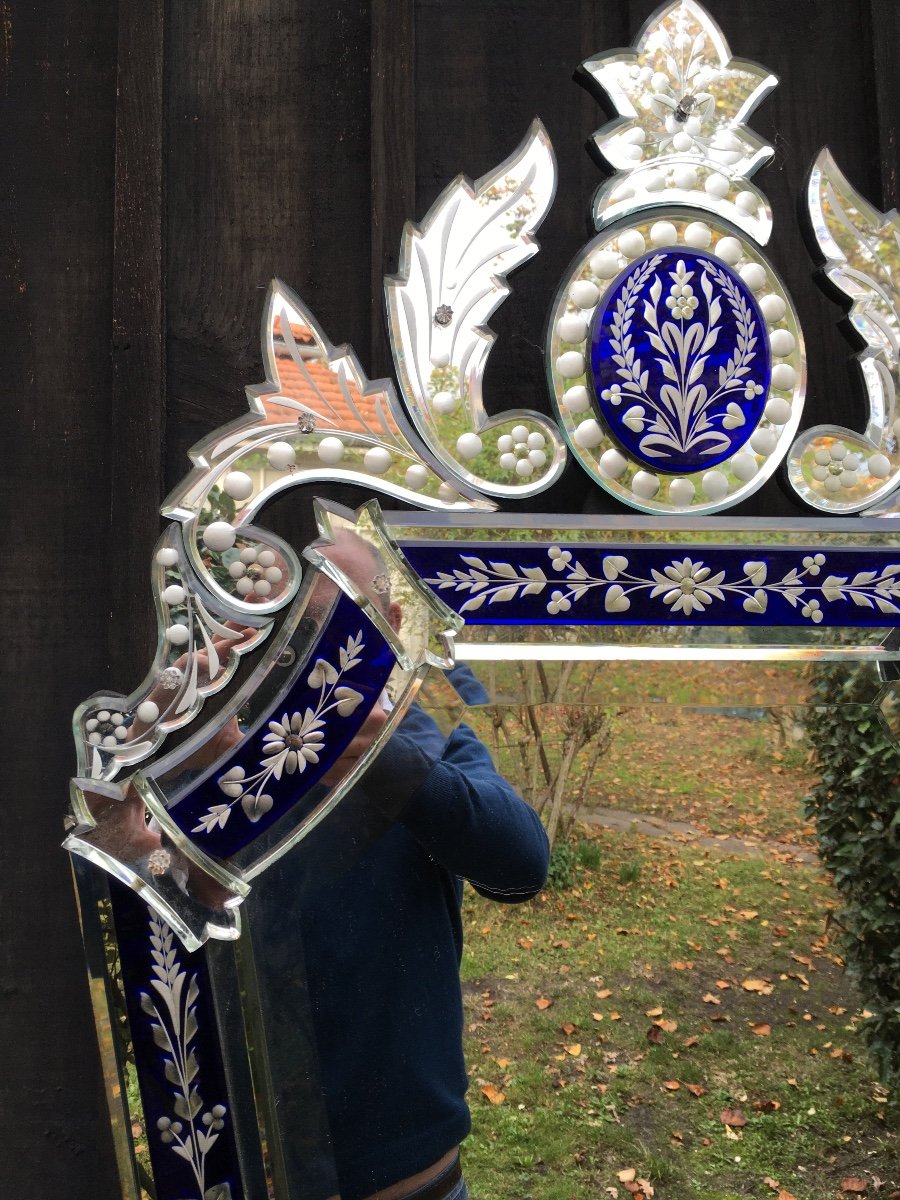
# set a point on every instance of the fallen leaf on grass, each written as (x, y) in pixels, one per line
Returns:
(709, 998)
(733, 1117)
(568, 1027)
(696, 1089)
(723, 985)
(854, 1184)
(654, 1035)
(574, 1049)
(525, 943)
(762, 986)
(667, 1026)
(603, 994)
(766, 1106)
(692, 1041)
(597, 1016)
(614, 1016)
(671, 1085)
(785, 1195)
(503, 1062)
(733, 1135)
(493, 1094)
(627, 1176)
(653, 1012)
(542, 1002)
(761, 1030)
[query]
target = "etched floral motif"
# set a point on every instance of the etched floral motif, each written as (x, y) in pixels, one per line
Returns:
(835, 467)
(191, 1132)
(686, 585)
(291, 743)
(688, 409)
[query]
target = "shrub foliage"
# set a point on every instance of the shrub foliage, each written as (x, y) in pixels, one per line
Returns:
(856, 805)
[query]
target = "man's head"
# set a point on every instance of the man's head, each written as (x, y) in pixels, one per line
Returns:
(361, 562)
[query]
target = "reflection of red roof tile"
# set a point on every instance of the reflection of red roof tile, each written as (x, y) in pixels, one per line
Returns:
(320, 392)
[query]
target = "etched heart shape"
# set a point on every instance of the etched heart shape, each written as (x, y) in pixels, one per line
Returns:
(634, 418)
(613, 564)
(756, 572)
(734, 416)
(615, 599)
(757, 602)
(256, 807)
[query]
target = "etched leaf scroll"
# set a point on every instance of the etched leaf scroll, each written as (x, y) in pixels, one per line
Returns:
(832, 468)
(452, 276)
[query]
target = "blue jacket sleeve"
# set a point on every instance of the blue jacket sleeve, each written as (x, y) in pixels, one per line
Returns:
(474, 824)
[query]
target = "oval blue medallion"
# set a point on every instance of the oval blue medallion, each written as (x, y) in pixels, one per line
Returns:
(680, 360)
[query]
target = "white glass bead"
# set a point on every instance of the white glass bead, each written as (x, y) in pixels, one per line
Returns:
(448, 494)
(605, 264)
(781, 342)
(174, 594)
(879, 466)
(612, 463)
(273, 574)
(635, 137)
(682, 142)
(330, 450)
(716, 185)
(248, 555)
(109, 741)
(440, 359)
(262, 587)
(681, 492)
(444, 402)
(505, 443)
(631, 153)
(654, 181)
(715, 485)
(116, 718)
(778, 411)
(848, 479)
(238, 485)
(469, 445)
(663, 233)
(644, 485)
(659, 82)
(773, 308)
(508, 461)
(266, 558)
(588, 434)
(219, 536)
(783, 376)
(524, 468)
(698, 234)
(744, 467)
(520, 433)
(822, 457)
(572, 328)
(281, 455)
(147, 712)
(576, 399)
(537, 458)
(167, 557)
(754, 276)
(177, 635)
(833, 483)
(631, 243)
(851, 462)
(764, 441)
(570, 365)
(236, 569)
(693, 126)
(584, 293)
(416, 477)
(377, 460)
(104, 714)
(536, 440)
(820, 474)
(685, 177)
(121, 733)
(244, 586)
(746, 202)
(838, 452)
(730, 250)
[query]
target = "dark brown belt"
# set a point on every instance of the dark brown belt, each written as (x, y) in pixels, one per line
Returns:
(441, 1186)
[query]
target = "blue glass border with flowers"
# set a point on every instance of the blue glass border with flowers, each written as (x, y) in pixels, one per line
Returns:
(187, 1122)
(277, 767)
(573, 584)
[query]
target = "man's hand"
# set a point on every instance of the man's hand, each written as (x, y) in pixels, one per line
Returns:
(367, 733)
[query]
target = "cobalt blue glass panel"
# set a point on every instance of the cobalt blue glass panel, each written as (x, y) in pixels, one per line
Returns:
(276, 766)
(542, 584)
(680, 360)
(189, 1130)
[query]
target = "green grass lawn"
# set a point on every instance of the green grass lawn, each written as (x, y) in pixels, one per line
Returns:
(617, 1026)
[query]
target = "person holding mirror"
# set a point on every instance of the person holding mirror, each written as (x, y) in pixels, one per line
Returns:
(375, 895)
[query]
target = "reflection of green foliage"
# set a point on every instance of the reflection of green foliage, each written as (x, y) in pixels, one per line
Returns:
(219, 506)
(445, 379)
(523, 209)
(858, 824)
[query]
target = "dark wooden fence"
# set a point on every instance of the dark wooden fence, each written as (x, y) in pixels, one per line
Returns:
(159, 164)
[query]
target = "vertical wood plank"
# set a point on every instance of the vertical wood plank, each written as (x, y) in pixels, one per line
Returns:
(57, 74)
(138, 354)
(885, 24)
(393, 151)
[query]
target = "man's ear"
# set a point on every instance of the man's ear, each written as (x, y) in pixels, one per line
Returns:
(395, 616)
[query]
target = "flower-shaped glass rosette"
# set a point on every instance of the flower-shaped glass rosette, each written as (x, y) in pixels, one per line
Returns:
(682, 103)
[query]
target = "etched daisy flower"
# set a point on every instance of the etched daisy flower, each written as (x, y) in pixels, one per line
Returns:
(835, 467)
(293, 742)
(687, 586)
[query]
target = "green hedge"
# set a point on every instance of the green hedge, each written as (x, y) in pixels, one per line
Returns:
(856, 805)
